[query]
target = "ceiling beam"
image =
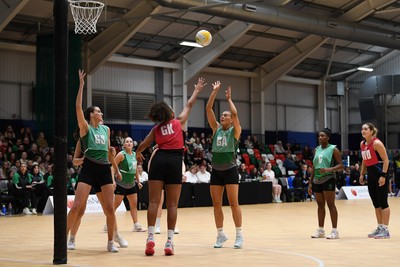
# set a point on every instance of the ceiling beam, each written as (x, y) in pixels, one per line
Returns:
(9, 14)
(364, 9)
(102, 47)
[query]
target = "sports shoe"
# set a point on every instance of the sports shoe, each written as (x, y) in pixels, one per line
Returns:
(26, 211)
(121, 241)
(105, 228)
(383, 234)
(239, 241)
(34, 212)
(137, 227)
(333, 235)
(318, 234)
(169, 248)
(157, 230)
(176, 231)
(149, 251)
(71, 244)
(374, 232)
(111, 247)
(220, 241)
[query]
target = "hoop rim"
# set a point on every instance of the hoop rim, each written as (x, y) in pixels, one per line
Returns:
(75, 3)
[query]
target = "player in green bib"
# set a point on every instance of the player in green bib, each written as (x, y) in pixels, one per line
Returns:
(130, 184)
(95, 172)
(224, 169)
(327, 161)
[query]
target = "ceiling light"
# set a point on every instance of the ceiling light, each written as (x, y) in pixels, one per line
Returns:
(192, 44)
(365, 69)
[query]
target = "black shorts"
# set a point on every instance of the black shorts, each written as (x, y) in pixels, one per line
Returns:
(119, 190)
(230, 176)
(329, 185)
(95, 174)
(166, 165)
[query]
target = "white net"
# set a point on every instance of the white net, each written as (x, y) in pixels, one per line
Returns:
(86, 14)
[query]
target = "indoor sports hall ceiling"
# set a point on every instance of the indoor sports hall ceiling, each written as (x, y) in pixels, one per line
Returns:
(312, 39)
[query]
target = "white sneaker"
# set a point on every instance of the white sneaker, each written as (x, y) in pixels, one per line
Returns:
(157, 230)
(105, 228)
(176, 231)
(121, 241)
(333, 235)
(34, 212)
(71, 244)
(374, 232)
(111, 247)
(137, 227)
(220, 241)
(26, 211)
(318, 234)
(238, 242)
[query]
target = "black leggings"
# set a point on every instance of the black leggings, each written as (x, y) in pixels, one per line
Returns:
(378, 194)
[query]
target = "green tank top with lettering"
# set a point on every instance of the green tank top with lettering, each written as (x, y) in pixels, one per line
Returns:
(224, 148)
(323, 159)
(95, 144)
(127, 167)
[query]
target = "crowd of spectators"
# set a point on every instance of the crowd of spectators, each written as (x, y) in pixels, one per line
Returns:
(20, 147)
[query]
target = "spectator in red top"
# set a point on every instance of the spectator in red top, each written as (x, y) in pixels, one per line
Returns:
(166, 164)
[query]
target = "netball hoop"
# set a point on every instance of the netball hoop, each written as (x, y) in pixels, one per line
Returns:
(85, 14)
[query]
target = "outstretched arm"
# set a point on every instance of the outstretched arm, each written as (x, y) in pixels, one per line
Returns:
(209, 108)
(183, 117)
(235, 118)
(82, 123)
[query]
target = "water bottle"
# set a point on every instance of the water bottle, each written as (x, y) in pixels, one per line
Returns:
(10, 209)
(3, 209)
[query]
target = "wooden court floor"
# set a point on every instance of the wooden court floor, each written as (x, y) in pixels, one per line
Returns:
(275, 235)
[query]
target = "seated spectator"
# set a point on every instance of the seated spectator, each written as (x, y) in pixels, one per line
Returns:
(248, 143)
(41, 140)
(197, 144)
(198, 156)
(256, 144)
(255, 174)
(307, 153)
(289, 163)
(33, 152)
(190, 175)
(143, 176)
(355, 175)
(278, 148)
(39, 188)
(4, 176)
(203, 176)
(244, 175)
(269, 176)
(48, 177)
(23, 189)
(301, 182)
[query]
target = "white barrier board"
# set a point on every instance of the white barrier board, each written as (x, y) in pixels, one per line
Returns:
(353, 192)
(92, 205)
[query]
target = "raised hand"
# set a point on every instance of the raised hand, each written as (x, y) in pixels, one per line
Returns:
(216, 85)
(201, 83)
(82, 75)
(228, 93)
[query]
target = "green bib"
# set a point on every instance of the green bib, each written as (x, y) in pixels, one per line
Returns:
(95, 144)
(224, 149)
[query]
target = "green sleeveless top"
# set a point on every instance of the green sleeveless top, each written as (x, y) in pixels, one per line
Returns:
(95, 144)
(224, 149)
(323, 159)
(127, 167)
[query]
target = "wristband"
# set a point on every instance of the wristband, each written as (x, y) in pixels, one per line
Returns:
(384, 174)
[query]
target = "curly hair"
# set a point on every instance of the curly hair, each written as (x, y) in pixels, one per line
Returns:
(160, 112)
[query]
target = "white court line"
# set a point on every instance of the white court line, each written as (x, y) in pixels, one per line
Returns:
(40, 262)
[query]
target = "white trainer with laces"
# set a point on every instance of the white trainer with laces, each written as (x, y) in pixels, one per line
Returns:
(318, 234)
(157, 230)
(374, 232)
(26, 211)
(71, 244)
(137, 227)
(121, 241)
(333, 235)
(111, 247)
(383, 234)
(176, 231)
(239, 241)
(220, 241)
(34, 212)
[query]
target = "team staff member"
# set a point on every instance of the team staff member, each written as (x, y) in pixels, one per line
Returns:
(326, 162)
(224, 169)
(95, 138)
(166, 165)
(375, 163)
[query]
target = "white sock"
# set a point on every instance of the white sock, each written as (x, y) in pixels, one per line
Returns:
(171, 235)
(321, 229)
(72, 237)
(158, 222)
(380, 226)
(238, 231)
(220, 231)
(334, 229)
(151, 230)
